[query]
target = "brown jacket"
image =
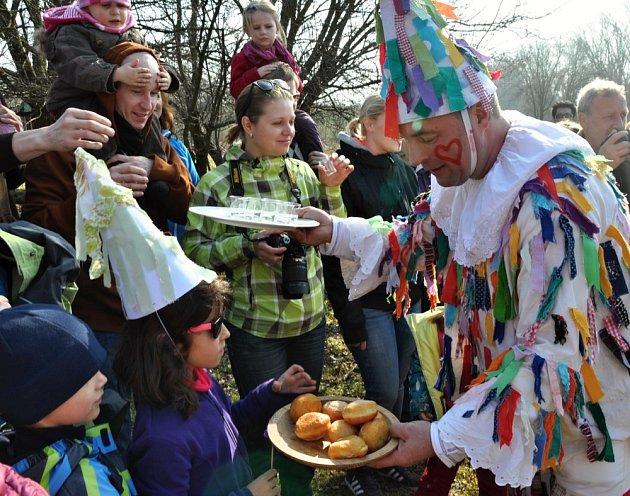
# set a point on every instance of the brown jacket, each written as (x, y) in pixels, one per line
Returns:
(50, 202)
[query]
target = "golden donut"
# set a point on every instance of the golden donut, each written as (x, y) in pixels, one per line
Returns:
(312, 426)
(303, 404)
(348, 447)
(375, 433)
(334, 409)
(360, 411)
(339, 429)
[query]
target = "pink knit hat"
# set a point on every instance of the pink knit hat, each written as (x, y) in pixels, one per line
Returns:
(86, 3)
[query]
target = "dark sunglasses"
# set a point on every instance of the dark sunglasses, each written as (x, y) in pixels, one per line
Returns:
(265, 85)
(214, 326)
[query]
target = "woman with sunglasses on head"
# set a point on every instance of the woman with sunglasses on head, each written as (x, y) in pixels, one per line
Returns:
(269, 331)
(187, 433)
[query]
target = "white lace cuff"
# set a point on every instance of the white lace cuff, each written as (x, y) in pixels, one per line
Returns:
(472, 433)
(448, 453)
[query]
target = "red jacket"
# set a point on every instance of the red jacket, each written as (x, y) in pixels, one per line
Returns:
(243, 72)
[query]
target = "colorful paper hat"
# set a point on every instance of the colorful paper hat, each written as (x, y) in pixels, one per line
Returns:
(151, 269)
(426, 73)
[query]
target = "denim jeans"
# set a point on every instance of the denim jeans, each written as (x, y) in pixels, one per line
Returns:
(255, 360)
(385, 362)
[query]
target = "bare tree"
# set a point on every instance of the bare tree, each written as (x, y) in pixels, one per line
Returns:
(541, 73)
(605, 48)
(23, 68)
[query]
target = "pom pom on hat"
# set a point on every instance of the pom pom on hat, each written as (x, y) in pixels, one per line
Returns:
(46, 356)
(86, 3)
(426, 73)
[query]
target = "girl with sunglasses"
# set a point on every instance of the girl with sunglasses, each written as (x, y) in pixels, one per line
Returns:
(187, 434)
(268, 331)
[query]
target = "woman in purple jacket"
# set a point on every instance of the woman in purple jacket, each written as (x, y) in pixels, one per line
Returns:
(187, 436)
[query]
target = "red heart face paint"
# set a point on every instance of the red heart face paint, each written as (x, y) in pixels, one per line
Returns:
(451, 153)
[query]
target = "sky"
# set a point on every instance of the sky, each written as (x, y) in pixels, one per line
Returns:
(565, 17)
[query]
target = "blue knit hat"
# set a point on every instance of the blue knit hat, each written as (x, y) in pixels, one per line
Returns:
(46, 356)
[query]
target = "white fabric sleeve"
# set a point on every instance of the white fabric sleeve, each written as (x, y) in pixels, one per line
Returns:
(449, 454)
(361, 248)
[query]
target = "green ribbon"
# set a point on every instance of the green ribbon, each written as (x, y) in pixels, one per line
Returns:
(591, 262)
(506, 372)
(396, 66)
(504, 308)
(423, 56)
(554, 286)
(607, 454)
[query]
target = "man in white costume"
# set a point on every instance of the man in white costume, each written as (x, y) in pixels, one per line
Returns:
(536, 287)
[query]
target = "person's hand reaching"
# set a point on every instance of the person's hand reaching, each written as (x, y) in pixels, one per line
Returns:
(294, 380)
(342, 167)
(414, 445)
(314, 236)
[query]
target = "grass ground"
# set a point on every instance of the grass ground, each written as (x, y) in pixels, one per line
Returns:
(341, 377)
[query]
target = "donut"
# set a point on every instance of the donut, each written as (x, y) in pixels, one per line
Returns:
(339, 429)
(334, 409)
(359, 411)
(347, 447)
(375, 433)
(312, 426)
(303, 404)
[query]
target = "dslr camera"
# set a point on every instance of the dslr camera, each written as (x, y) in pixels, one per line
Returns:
(625, 137)
(294, 270)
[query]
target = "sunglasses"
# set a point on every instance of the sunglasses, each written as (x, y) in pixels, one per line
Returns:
(214, 326)
(265, 85)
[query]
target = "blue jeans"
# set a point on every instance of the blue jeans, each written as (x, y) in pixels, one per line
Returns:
(385, 362)
(255, 360)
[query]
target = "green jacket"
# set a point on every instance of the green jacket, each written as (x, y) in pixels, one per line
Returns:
(258, 306)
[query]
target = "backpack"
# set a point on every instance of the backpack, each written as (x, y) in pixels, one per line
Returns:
(36, 265)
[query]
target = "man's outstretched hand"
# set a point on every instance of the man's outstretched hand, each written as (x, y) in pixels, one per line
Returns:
(314, 236)
(414, 445)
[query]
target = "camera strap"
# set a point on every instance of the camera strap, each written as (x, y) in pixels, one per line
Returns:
(295, 191)
(236, 178)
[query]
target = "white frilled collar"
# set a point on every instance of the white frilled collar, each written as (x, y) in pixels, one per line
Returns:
(473, 215)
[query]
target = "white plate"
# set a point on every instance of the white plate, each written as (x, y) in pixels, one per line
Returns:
(227, 215)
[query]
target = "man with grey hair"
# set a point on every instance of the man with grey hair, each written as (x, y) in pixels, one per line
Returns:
(602, 113)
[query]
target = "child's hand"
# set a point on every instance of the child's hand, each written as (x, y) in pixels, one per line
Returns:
(294, 380)
(266, 69)
(7, 116)
(4, 303)
(133, 75)
(164, 79)
(343, 168)
(266, 485)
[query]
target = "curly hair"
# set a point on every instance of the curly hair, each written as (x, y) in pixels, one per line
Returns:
(152, 363)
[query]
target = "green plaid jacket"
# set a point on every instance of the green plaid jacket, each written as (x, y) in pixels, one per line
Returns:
(258, 305)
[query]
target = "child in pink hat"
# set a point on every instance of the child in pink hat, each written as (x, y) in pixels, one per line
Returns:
(76, 40)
